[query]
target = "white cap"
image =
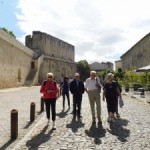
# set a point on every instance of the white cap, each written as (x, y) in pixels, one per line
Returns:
(76, 75)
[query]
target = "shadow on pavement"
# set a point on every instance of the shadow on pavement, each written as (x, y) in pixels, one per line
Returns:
(63, 113)
(7, 144)
(28, 125)
(75, 125)
(39, 139)
(96, 133)
(118, 130)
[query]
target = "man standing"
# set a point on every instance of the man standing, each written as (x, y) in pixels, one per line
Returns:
(92, 86)
(77, 89)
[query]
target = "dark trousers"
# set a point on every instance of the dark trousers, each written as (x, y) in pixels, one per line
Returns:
(77, 99)
(68, 98)
(50, 104)
(117, 108)
(112, 104)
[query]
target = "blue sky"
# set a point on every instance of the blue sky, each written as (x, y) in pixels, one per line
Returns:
(8, 18)
(100, 30)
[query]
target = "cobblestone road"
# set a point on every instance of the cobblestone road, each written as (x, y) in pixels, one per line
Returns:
(130, 132)
(17, 98)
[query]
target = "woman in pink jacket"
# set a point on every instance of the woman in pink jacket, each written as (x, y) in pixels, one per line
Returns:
(50, 90)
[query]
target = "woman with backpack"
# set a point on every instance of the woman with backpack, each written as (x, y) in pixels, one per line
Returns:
(49, 90)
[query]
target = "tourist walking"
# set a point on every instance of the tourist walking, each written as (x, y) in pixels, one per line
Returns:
(77, 89)
(65, 92)
(50, 90)
(111, 92)
(92, 87)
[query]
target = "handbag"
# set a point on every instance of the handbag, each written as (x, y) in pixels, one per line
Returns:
(99, 88)
(121, 102)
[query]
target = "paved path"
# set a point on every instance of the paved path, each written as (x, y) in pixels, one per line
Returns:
(130, 132)
(17, 98)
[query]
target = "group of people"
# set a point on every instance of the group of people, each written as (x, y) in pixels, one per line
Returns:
(92, 86)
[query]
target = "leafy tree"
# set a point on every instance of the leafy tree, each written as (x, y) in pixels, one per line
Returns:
(120, 73)
(9, 32)
(102, 74)
(83, 68)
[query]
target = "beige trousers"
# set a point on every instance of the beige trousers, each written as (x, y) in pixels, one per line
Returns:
(94, 98)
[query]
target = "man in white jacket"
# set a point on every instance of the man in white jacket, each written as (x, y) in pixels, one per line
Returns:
(92, 86)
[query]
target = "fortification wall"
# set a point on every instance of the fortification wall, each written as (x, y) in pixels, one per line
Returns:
(15, 61)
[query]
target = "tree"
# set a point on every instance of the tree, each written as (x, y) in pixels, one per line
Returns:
(83, 68)
(120, 73)
(9, 32)
(102, 74)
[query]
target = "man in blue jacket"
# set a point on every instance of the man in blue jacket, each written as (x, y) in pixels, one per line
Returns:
(77, 89)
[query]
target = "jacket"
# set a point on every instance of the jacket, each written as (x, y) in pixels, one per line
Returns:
(77, 90)
(65, 87)
(49, 85)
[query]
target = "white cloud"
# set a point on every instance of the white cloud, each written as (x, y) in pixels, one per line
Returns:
(101, 30)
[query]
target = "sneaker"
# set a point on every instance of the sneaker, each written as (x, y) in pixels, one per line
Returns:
(54, 126)
(113, 119)
(117, 115)
(79, 117)
(100, 122)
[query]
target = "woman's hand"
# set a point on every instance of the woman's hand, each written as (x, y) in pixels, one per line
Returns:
(49, 91)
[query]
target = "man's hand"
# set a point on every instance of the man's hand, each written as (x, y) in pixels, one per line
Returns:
(85, 89)
(104, 99)
(97, 85)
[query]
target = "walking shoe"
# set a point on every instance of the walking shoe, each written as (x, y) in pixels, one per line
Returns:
(79, 117)
(117, 115)
(113, 119)
(100, 122)
(54, 126)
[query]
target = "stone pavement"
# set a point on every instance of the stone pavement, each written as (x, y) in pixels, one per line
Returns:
(17, 98)
(130, 132)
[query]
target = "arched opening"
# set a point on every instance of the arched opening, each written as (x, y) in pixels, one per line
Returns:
(32, 65)
(19, 75)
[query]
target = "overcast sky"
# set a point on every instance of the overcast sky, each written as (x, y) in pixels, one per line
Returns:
(100, 30)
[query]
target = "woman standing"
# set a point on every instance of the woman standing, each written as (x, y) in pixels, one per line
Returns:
(50, 90)
(65, 92)
(111, 92)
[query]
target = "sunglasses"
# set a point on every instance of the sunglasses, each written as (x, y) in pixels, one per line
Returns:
(49, 76)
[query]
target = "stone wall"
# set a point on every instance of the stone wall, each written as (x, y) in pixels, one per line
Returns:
(138, 56)
(58, 67)
(48, 45)
(15, 61)
(101, 66)
(58, 55)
